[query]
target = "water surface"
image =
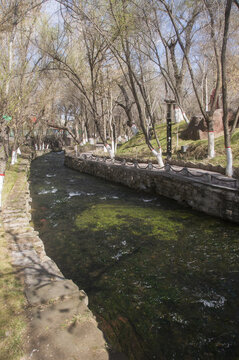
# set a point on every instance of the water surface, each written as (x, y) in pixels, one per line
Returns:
(162, 280)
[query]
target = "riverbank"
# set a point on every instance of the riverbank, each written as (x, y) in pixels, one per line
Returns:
(195, 151)
(58, 323)
(12, 302)
(209, 192)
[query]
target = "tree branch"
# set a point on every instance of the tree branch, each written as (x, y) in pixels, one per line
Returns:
(65, 128)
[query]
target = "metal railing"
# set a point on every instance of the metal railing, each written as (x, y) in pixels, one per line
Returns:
(205, 177)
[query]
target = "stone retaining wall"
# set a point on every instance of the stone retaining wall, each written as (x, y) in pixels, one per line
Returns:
(209, 167)
(211, 199)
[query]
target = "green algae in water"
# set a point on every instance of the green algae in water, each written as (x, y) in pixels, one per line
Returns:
(148, 221)
(164, 293)
(163, 281)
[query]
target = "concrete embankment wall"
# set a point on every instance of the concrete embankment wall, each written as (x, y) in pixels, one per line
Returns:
(211, 199)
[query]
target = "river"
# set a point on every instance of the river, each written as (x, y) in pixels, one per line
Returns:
(162, 280)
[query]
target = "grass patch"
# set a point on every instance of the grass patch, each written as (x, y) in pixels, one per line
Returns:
(12, 299)
(12, 302)
(137, 143)
(197, 150)
(10, 180)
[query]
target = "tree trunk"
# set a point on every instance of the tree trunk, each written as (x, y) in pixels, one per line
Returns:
(211, 144)
(2, 171)
(227, 137)
(211, 136)
(14, 149)
(158, 155)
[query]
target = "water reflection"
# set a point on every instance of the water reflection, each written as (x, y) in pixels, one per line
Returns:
(163, 280)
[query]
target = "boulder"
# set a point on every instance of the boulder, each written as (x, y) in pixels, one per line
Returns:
(197, 128)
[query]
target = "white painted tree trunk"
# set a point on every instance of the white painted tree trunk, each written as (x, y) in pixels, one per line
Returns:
(1, 187)
(206, 86)
(85, 140)
(186, 118)
(19, 151)
(229, 168)
(180, 115)
(110, 116)
(36, 147)
(84, 134)
(113, 145)
(43, 146)
(14, 157)
(105, 150)
(158, 155)
(211, 138)
(110, 151)
(76, 150)
(47, 147)
(85, 137)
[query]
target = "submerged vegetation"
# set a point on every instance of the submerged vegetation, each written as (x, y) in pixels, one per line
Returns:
(156, 276)
(162, 280)
(112, 217)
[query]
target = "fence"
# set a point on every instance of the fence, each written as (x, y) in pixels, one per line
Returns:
(195, 174)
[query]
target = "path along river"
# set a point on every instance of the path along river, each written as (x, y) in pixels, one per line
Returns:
(162, 280)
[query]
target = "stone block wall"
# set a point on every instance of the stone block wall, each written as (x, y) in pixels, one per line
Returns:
(211, 199)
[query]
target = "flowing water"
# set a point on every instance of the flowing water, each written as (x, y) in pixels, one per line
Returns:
(162, 280)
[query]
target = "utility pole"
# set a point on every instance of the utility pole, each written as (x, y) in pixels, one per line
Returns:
(169, 127)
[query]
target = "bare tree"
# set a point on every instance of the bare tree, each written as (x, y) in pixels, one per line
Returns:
(227, 138)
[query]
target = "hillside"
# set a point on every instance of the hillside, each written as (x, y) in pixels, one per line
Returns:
(197, 150)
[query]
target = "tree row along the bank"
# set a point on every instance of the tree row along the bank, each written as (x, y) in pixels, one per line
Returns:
(101, 70)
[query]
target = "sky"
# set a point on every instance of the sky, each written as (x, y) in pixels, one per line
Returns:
(52, 8)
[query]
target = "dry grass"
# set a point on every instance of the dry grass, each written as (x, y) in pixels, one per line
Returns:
(12, 299)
